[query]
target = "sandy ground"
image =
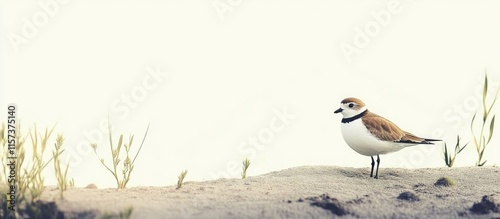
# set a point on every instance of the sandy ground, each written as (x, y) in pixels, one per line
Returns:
(304, 192)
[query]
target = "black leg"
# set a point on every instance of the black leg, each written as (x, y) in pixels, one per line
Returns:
(373, 164)
(378, 163)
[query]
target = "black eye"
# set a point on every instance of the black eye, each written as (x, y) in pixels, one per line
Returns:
(351, 105)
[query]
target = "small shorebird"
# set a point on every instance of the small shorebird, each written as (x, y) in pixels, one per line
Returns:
(370, 134)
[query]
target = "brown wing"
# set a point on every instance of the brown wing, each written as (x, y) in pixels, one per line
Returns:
(385, 130)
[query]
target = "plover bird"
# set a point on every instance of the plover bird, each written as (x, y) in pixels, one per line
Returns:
(370, 134)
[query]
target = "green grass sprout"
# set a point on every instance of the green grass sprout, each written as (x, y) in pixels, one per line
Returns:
(72, 183)
(125, 214)
(29, 179)
(483, 139)
(61, 176)
(128, 163)
(449, 158)
(246, 164)
(181, 178)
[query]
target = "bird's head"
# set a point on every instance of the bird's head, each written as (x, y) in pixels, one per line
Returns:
(350, 107)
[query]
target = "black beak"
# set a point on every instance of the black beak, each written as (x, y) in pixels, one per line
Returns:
(338, 110)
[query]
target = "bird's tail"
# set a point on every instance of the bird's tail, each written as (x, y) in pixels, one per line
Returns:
(430, 140)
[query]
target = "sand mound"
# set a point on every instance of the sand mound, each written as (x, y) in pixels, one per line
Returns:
(304, 192)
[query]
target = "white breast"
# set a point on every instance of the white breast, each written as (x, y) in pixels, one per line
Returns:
(360, 140)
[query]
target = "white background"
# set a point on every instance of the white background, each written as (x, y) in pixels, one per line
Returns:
(231, 65)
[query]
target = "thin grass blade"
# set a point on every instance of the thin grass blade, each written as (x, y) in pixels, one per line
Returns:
(482, 164)
(485, 92)
(142, 143)
(462, 148)
(446, 156)
(110, 136)
(494, 100)
(472, 130)
(120, 141)
(492, 127)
